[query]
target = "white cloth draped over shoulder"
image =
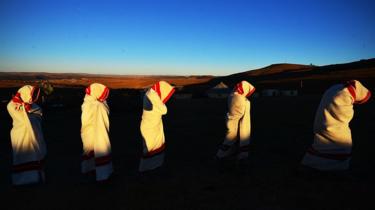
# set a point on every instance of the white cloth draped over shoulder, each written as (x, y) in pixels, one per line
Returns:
(332, 146)
(238, 123)
(28, 146)
(152, 125)
(96, 156)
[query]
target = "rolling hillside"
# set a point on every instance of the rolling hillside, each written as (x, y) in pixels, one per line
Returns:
(307, 78)
(283, 76)
(10, 79)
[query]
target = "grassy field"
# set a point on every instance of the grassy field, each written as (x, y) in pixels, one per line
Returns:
(192, 179)
(13, 79)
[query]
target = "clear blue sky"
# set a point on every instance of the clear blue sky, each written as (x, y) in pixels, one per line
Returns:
(181, 37)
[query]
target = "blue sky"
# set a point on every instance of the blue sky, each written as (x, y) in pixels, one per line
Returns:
(181, 37)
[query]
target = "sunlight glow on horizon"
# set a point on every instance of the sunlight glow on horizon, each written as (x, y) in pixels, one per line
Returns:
(192, 37)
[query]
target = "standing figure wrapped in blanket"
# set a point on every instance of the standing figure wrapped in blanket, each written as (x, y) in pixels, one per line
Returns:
(237, 123)
(152, 125)
(332, 146)
(29, 148)
(96, 158)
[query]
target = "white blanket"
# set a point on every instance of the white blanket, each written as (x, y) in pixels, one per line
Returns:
(28, 144)
(238, 123)
(332, 146)
(152, 125)
(94, 133)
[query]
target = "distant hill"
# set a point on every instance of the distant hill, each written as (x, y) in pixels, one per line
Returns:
(306, 78)
(295, 76)
(16, 79)
(273, 69)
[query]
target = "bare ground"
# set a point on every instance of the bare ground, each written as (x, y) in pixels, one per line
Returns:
(191, 178)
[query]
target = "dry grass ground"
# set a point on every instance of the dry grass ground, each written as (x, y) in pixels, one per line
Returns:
(114, 82)
(192, 180)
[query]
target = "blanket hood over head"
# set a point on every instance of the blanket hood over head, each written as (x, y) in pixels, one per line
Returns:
(244, 88)
(98, 91)
(164, 90)
(359, 93)
(26, 96)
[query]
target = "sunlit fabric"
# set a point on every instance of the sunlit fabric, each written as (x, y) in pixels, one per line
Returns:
(332, 146)
(152, 125)
(238, 123)
(96, 156)
(28, 144)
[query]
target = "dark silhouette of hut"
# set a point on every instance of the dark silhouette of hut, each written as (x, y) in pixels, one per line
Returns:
(221, 90)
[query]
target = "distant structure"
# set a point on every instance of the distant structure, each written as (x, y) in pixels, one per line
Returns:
(181, 93)
(255, 95)
(289, 92)
(270, 92)
(221, 90)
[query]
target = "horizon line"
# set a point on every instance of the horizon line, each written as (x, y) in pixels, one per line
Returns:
(176, 75)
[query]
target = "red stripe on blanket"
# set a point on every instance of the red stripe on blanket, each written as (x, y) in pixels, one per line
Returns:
(100, 161)
(154, 152)
(168, 96)
(251, 92)
(104, 95)
(368, 96)
(239, 88)
(88, 156)
(350, 85)
(88, 90)
(156, 88)
(341, 156)
(17, 99)
(29, 166)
